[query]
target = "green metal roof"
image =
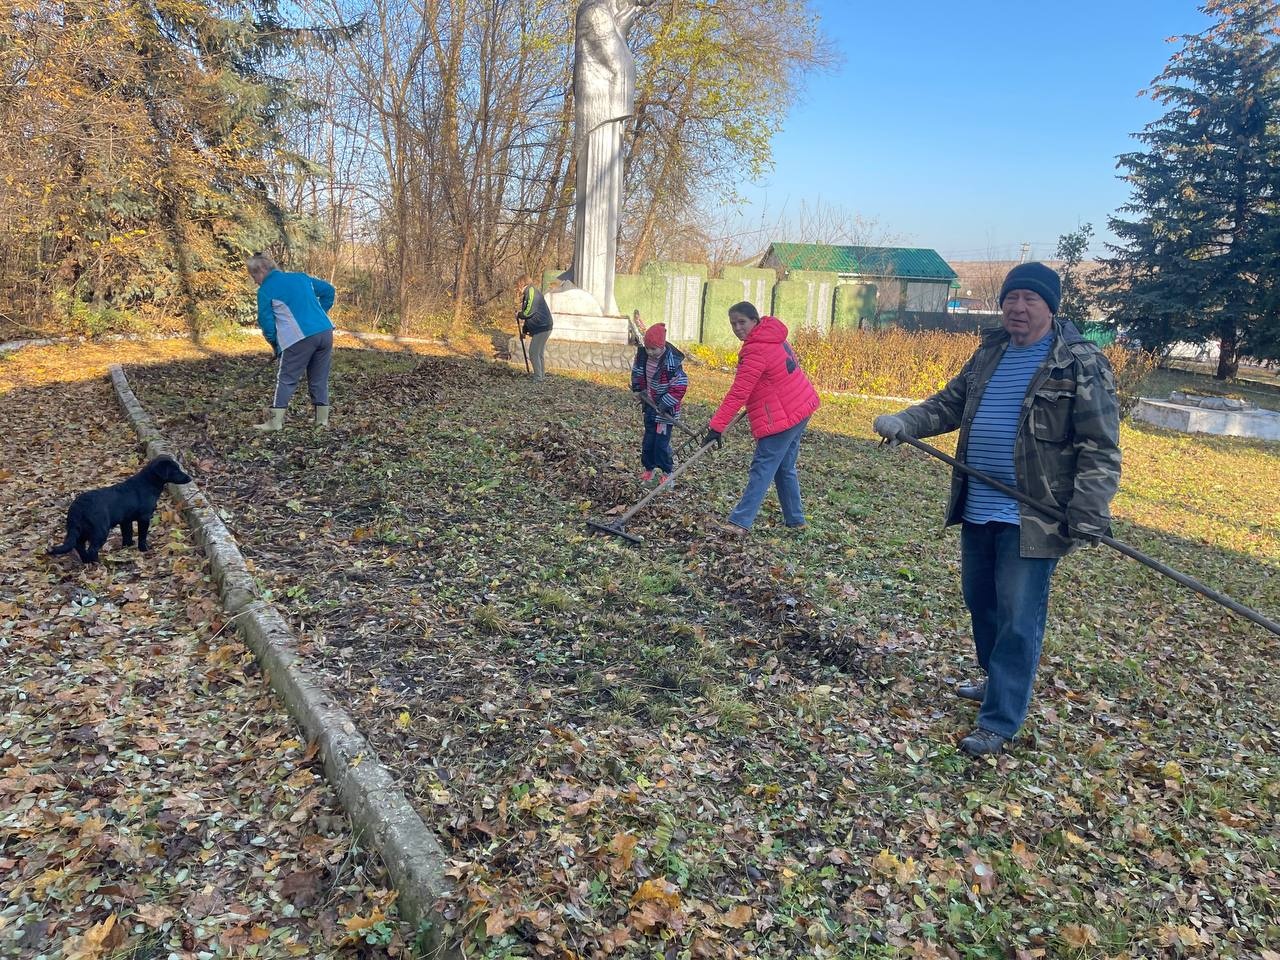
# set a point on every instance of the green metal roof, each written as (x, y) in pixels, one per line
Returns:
(907, 263)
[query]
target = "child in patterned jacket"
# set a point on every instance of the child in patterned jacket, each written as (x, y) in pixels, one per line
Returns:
(659, 380)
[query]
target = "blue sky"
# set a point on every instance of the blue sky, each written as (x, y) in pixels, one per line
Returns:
(973, 126)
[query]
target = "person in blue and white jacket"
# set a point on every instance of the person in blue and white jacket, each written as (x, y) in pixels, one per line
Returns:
(293, 312)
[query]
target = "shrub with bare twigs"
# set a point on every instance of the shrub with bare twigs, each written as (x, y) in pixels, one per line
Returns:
(1130, 367)
(886, 363)
(898, 363)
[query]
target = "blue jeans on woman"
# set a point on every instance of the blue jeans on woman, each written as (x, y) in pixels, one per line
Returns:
(1008, 599)
(774, 462)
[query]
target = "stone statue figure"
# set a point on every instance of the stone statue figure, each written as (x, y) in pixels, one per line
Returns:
(604, 90)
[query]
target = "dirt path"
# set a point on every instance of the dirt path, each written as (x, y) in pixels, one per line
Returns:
(155, 800)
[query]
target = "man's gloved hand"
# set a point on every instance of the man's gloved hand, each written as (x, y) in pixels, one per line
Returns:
(890, 426)
(713, 436)
(1084, 529)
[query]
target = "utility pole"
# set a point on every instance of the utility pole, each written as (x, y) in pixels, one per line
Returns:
(1026, 250)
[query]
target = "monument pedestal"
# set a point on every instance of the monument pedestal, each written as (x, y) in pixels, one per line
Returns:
(577, 316)
(1254, 423)
(580, 355)
(599, 329)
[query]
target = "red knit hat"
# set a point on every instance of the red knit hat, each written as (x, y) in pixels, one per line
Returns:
(656, 336)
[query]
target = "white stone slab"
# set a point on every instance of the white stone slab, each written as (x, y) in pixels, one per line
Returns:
(597, 329)
(1255, 424)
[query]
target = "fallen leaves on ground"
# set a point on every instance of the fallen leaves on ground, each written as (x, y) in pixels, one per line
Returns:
(155, 800)
(748, 748)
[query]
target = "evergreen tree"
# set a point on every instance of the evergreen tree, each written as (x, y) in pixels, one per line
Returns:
(1200, 259)
(1077, 296)
(146, 133)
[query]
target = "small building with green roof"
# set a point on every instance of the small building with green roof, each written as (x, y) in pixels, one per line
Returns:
(913, 283)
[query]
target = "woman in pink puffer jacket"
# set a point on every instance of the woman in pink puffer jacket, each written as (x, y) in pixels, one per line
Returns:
(779, 399)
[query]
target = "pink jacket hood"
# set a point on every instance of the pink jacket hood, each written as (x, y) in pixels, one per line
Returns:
(768, 330)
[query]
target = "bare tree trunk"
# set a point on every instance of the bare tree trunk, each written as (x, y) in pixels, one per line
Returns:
(1228, 351)
(1228, 329)
(557, 198)
(484, 212)
(641, 248)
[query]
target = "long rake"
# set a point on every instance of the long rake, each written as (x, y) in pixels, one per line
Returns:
(617, 527)
(1055, 514)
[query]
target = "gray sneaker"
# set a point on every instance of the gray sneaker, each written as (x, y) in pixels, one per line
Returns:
(983, 742)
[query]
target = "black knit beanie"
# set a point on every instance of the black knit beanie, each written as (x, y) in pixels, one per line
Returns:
(1037, 278)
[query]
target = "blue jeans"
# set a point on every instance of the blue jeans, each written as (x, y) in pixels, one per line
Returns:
(774, 462)
(655, 452)
(1008, 598)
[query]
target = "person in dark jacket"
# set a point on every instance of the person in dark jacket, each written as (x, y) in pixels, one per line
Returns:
(534, 317)
(659, 380)
(1036, 409)
(293, 314)
(780, 400)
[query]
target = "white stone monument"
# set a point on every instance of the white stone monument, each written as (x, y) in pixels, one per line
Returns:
(604, 84)
(1224, 416)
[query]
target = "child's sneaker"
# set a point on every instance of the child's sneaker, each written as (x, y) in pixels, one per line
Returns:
(671, 484)
(646, 476)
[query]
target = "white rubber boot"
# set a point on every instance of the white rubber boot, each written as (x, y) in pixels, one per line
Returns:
(274, 421)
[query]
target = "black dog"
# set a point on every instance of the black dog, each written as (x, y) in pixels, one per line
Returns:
(94, 513)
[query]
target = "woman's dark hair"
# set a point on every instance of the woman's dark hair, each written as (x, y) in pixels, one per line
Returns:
(747, 309)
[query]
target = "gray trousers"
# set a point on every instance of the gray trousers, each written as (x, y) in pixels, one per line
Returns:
(312, 354)
(538, 352)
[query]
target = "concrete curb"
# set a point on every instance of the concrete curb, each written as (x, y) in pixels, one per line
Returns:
(388, 338)
(381, 815)
(617, 358)
(11, 346)
(871, 396)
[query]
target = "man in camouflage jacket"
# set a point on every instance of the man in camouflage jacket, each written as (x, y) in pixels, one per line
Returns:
(1036, 407)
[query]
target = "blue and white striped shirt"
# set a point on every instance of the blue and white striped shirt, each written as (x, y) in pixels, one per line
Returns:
(995, 429)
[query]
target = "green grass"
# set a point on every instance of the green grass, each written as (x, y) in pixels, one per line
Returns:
(1260, 387)
(770, 722)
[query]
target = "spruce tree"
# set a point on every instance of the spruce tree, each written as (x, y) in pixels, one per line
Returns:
(1199, 260)
(147, 131)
